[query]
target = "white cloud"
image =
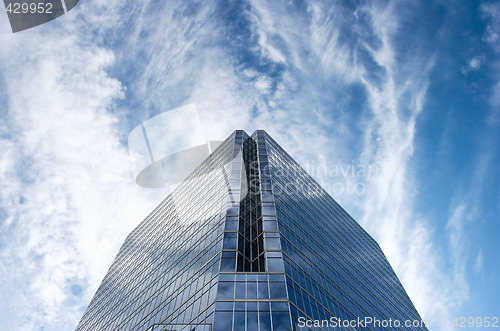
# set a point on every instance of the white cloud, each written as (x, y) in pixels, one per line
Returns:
(395, 100)
(473, 64)
(491, 13)
(461, 214)
(479, 264)
(67, 190)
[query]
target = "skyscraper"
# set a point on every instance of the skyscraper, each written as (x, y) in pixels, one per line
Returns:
(249, 241)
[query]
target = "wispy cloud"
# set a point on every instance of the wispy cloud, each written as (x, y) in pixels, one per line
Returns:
(479, 264)
(301, 113)
(396, 91)
(491, 14)
(437, 285)
(67, 200)
(329, 82)
(473, 64)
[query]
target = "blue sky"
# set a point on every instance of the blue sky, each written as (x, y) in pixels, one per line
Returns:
(411, 88)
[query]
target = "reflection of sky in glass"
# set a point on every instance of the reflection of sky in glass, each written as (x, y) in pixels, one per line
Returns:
(211, 175)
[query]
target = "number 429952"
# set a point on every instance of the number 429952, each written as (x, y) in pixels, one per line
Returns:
(32, 8)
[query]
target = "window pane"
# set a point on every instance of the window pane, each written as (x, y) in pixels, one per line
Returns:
(263, 290)
(223, 321)
(277, 290)
(252, 321)
(264, 321)
(227, 264)
(225, 305)
(226, 290)
(281, 321)
(239, 321)
(270, 226)
(275, 264)
(272, 243)
(230, 243)
(231, 225)
(240, 290)
(252, 290)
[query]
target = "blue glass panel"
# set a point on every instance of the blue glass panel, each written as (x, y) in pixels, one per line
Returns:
(264, 321)
(277, 290)
(252, 306)
(226, 277)
(251, 290)
(281, 321)
(275, 264)
(263, 290)
(230, 243)
(264, 306)
(252, 320)
(224, 305)
(239, 321)
(270, 226)
(228, 264)
(272, 243)
(239, 306)
(233, 211)
(223, 321)
(268, 211)
(279, 306)
(226, 290)
(231, 226)
(276, 277)
(240, 290)
(251, 277)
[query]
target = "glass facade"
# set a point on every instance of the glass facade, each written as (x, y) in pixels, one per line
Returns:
(249, 241)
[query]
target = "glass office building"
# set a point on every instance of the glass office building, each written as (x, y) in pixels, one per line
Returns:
(249, 241)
